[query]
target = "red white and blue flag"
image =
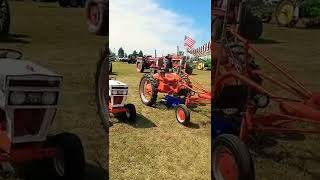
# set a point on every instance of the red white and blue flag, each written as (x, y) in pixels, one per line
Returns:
(189, 42)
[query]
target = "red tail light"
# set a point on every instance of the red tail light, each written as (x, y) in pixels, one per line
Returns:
(28, 121)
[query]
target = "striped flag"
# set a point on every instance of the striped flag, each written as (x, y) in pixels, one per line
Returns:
(188, 42)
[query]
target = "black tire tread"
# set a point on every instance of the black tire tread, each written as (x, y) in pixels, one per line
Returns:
(154, 84)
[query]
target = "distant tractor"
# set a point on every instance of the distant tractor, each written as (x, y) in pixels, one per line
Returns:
(145, 62)
(29, 98)
(181, 61)
(97, 16)
(4, 17)
(132, 59)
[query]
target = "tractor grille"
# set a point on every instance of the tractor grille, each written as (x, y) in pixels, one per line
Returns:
(117, 100)
(28, 121)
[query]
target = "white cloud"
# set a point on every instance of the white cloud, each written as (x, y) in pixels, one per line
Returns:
(144, 25)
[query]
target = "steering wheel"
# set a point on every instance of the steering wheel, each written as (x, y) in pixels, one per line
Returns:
(10, 53)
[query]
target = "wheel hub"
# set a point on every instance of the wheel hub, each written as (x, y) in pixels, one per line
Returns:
(181, 116)
(225, 165)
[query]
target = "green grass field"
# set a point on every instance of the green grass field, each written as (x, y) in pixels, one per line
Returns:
(58, 39)
(157, 146)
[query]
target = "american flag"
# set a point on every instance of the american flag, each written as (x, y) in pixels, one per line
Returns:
(188, 42)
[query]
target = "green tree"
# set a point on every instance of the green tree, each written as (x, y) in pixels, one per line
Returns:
(120, 53)
(135, 53)
(180, 53)
(140, 53)
(125, 55)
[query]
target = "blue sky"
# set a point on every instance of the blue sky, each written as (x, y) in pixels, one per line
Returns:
(198, 10)
(158, 24)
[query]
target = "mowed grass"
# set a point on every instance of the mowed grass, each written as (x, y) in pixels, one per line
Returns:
(157, 146)
(57, 38)
(298, 51)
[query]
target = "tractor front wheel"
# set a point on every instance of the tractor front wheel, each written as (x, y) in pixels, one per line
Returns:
(131, 113)
(231, 159)
(69, 163)
(97, 16)
(148, 90)
(182, 114)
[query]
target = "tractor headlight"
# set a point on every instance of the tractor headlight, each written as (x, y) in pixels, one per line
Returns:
(48, 98)
(114, 92)
(261, 100)
(124, 92)
(17, 98)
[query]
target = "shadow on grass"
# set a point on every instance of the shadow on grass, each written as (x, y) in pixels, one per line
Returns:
(15, 38)
(265, 41)
(37, 172)
(141, 122)
(193, 125)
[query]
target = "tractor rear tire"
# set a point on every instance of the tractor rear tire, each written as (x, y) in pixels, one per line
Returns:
(132, 113)
(182, 114)
(251, 26)
(290, 22)
(234, 152)
(101, 87)
(97, 16)
(70, 161)
(5, 14)
(154, 90)
(189, 69)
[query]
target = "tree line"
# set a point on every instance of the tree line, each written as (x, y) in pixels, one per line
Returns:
(122, 54)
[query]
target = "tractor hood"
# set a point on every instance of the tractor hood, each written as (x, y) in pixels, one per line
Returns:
(14, 67)
(22, 67)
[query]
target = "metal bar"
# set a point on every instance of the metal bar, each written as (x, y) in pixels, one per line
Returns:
(281, 84)
(279, 68)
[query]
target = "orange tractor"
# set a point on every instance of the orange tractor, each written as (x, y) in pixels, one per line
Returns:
(181, 90)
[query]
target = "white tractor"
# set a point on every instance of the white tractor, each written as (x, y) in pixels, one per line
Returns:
(118, 92)
(29, 98)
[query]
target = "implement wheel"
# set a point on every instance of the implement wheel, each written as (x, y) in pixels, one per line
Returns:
(182, 114)
(231, 159)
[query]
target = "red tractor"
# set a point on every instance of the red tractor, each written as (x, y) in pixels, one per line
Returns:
(181, 91)
(181, 61)
(145, 62)
(151, 63)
